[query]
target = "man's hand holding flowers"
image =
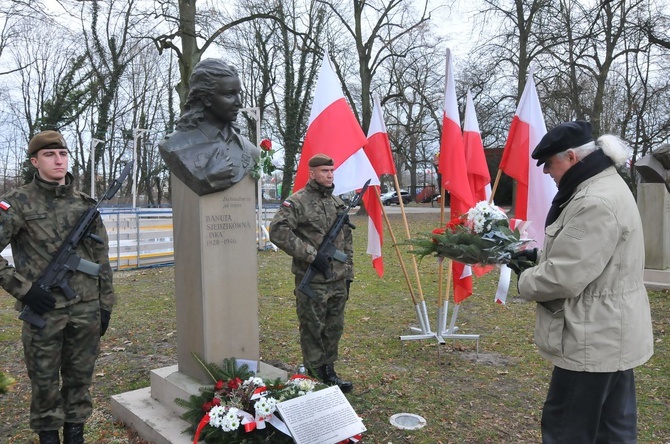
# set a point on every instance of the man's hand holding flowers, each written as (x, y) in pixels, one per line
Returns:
(522, 260)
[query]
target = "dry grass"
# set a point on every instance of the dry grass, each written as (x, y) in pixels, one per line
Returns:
(494, 396)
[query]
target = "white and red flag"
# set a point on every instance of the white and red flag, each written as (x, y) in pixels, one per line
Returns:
(475, 159)
(378, 150)
(453, 169)
(535, 190)
(334, 131)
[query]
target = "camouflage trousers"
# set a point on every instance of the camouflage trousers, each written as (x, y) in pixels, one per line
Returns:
(321, 321)
(66, 347)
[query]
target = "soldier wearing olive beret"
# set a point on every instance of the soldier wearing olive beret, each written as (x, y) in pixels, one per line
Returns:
(60, 355)
(299, 227)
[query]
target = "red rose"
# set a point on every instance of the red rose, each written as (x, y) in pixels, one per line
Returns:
(453, 224)
(438, 231)
(219, 385)
(234, 383)
(216, 401)
(266, 145)
(206, 407)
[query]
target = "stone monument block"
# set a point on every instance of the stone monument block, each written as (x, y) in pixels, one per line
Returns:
(653, 201)
(216, 278)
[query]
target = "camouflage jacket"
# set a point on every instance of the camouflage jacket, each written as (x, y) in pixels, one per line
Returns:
(35, 219)
(300, 224)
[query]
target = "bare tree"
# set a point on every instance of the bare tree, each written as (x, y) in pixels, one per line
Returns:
(375, 28)
(187, 24)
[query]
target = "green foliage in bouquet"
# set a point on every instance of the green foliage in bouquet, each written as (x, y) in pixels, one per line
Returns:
(481, 236)
(6, 383)
(234, 387)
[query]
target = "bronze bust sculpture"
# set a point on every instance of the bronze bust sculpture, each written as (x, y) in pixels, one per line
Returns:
(655, 167)
(207, 151)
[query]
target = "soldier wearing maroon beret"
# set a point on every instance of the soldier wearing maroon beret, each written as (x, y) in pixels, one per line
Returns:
(298, 228)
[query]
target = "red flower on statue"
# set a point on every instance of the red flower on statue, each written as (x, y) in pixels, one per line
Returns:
(266, 144)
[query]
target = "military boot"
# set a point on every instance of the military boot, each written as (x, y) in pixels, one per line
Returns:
(73, 433)
(331, 378)
(315, 373)
(49, 437)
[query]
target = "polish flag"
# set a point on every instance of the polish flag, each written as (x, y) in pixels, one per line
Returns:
(378, 150)
(535, 190)
(334, 131)
(452, 166)
(478, 170)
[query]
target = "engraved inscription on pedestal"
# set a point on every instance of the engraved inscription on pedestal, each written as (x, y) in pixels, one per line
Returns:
(215, 275)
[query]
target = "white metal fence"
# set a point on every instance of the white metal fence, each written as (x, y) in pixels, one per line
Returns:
(144, 237)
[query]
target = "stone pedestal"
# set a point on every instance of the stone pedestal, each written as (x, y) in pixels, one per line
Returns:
(653, 201)
(216, 275)
(216, 288)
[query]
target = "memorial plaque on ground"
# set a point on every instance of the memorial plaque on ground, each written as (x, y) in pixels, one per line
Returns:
(322, 417)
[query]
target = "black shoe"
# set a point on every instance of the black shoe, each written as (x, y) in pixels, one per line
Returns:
(49, 437)
(73, 433)
(316, 374)
(331, 378)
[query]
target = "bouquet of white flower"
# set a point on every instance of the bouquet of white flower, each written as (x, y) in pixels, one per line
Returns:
(481, 236)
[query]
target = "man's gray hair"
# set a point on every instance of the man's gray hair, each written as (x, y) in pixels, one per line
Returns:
(613, 147)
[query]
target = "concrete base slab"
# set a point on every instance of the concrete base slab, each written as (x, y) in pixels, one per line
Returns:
(152, 411)
(151, 420)
(657, 279)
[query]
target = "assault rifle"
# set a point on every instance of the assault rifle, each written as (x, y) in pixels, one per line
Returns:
(66, 262)
(328, 244)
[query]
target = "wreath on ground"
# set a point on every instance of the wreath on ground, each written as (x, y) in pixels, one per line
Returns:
(241, 408)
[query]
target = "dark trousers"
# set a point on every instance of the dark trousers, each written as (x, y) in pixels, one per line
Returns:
(584, 407)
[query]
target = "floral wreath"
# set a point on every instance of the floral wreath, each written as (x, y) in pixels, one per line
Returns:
(239, 406)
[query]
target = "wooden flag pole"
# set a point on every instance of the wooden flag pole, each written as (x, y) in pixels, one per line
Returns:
(422, 301)
(442, 301)
(495, 185)
(443, 304)
(417, 307)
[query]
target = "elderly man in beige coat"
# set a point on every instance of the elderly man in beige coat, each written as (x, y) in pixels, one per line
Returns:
(593, 320)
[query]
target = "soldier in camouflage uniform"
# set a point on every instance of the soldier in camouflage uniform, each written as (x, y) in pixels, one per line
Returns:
(298, 228)
(35, 219)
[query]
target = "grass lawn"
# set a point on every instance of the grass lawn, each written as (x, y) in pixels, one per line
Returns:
(494, 395)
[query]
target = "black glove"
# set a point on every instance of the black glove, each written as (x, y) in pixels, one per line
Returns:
(523, 259)
(104, 321)
(38, 300)
(321, 262)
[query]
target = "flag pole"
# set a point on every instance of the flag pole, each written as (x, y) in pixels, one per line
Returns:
(422, 301)
(495, 185)
(417, 307)
(442, 301)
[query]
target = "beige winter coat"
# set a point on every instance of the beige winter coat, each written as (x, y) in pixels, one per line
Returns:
(594, 312)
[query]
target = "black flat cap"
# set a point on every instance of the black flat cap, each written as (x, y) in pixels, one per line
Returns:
(562, 137)
(318, 160)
